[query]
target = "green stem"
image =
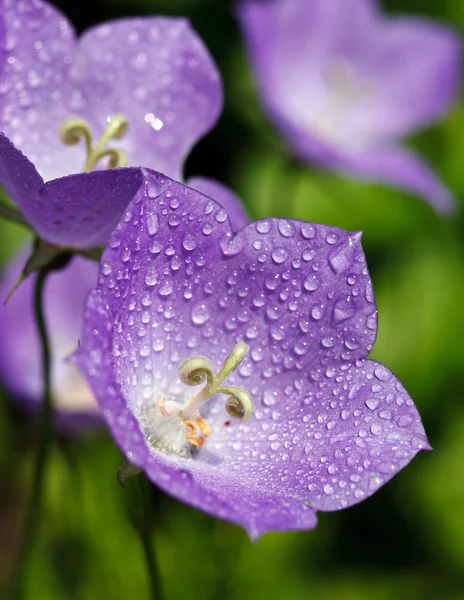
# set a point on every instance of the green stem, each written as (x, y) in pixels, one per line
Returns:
(146, 536)
(44, 444)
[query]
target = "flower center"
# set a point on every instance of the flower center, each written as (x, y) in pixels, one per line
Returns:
(346, 90)
(73, 130)
(179, 431)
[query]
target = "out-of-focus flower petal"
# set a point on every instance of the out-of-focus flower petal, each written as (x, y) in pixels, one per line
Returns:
(20, 357)
(405, 169)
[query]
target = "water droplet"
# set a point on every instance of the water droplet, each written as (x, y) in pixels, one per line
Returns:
(405, 421)
(151, 276)
(311, 283)
(307, 231)
(189, 242)
(342, 257)
(343, 309)
(327, 342)
(279, 255)
(263, 227)
(376, 429)
(372, 403)
(331, 238)
(317, 312)
(382, 373)
(286, 228)
(166, 288)
(200, 313)
(269, 398)
(152, 221)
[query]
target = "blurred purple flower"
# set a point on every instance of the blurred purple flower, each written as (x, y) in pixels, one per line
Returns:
(20, 362)
(344, 84)
(279, 317)
(137, 91)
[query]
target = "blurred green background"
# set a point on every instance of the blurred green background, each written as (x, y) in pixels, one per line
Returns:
(407, 541)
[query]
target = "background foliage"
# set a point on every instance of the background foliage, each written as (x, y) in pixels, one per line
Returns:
(405, 542)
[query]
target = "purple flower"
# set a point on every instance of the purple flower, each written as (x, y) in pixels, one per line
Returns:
(271, 326)
(344, 84)
(134, 92)
(20, 362)
(153, 70)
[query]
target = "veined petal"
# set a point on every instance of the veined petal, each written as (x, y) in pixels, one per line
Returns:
(77, 211)
(350, 432)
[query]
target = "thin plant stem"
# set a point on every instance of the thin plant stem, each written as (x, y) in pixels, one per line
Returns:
(44, 444)
(146, 537)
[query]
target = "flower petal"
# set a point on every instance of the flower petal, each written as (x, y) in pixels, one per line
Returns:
(76, 211)
(351, 433)
(402, 168)
(174, 282)
(157, 72)
(415, 68)
(225, 197)
(20, 358)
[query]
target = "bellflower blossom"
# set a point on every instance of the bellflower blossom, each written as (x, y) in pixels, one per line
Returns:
(345, 84)
(20, 358)
(271, 326)
(138, 91)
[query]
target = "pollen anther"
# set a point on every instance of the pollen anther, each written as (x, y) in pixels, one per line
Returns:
(180, 430)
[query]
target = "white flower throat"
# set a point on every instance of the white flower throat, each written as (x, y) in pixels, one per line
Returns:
(180, 431)
(347, 90)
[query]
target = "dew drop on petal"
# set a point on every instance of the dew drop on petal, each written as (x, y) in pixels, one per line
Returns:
(200, 313)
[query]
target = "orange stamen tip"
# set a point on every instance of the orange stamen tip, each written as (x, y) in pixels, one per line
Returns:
(193, 429)
(197, 442)
(205, 428)
(192, 434)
